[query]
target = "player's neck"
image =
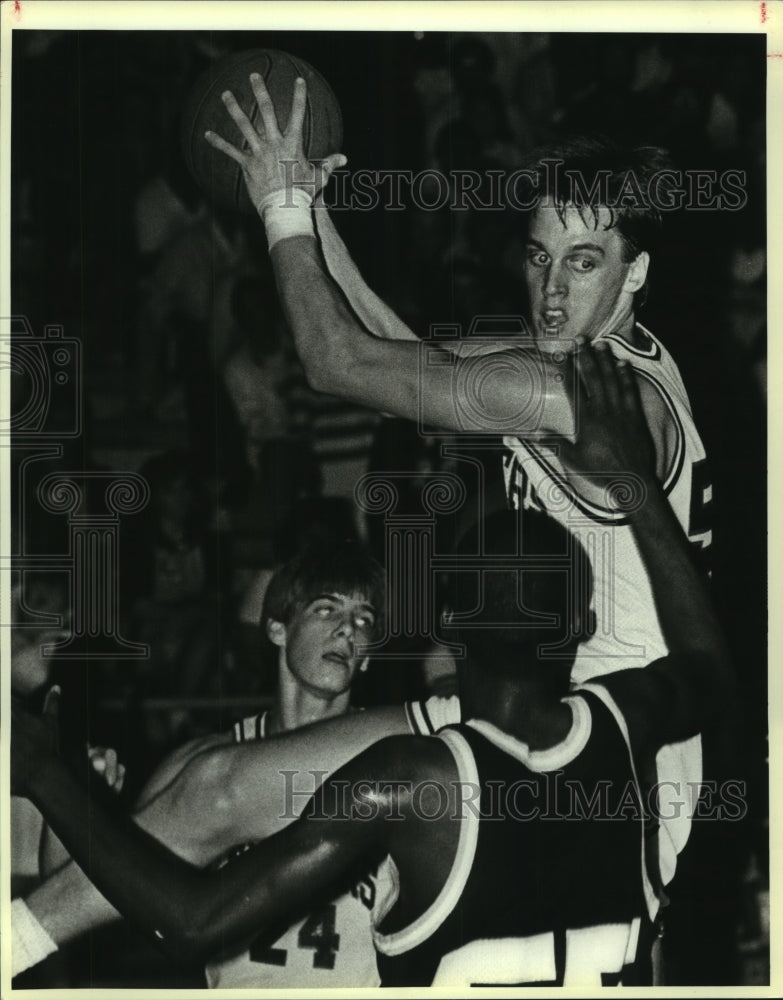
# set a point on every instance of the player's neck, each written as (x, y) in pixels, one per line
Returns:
(622, 323)
(528, 709)
(295, 707)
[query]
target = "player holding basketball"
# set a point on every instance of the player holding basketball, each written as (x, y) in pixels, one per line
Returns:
(491, 890)
(588, 254)
(583, 279)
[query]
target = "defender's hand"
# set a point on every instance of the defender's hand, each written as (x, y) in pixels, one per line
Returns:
(274, 160)
(34, 741)
(612, 437)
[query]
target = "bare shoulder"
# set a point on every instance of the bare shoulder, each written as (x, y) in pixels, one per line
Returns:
(174, 765)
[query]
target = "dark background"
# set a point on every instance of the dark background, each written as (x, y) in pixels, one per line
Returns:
(95, 117)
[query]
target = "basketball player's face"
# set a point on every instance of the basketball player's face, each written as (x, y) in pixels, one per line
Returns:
(324, 640)
(578, 282)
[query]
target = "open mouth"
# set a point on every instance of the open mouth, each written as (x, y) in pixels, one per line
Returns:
(553, 319)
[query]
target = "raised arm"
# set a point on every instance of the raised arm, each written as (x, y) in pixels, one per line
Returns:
(673, 697)
(339, 355)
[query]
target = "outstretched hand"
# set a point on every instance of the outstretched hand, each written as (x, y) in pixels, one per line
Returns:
(34, 740)
(612, 438)
(274, 160)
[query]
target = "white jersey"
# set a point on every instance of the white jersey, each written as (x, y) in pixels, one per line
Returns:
(628, 633)
(331, 947)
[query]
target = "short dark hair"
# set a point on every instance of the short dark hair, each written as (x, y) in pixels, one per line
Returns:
(589, 172)
(332, 566)
(540, 577)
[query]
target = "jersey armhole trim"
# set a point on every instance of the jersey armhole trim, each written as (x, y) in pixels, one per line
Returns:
(603, 695)
(424, 926)
(653, 352)
(419, 716)
(673, 473)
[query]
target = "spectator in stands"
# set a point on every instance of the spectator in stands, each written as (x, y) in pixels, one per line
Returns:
(171, 582)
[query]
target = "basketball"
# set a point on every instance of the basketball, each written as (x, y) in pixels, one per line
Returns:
(219, 177)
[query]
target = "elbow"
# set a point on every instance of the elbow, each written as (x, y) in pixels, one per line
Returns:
(318, 373)
(331, 366)
(195, 945)
(209, 932)
(183, 946)
(189, 946)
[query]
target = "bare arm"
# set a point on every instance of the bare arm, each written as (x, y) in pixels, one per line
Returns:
(211, 795)
(167, 772)
(190, 912)
(469, 387)
(339, 355)
(673, 697)
(238, 793)
(67, 904)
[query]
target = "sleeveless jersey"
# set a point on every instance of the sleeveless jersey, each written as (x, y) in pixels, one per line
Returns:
(546, 887)
(628, 633)
(331, 947)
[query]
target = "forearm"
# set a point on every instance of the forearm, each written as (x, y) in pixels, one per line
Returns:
(52, 855)
(67, 905)
(190, 913)
(685, 611)
(147, 883)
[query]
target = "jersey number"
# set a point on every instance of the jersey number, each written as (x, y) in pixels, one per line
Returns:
(700, 516)
(699, 520)
(317, 932)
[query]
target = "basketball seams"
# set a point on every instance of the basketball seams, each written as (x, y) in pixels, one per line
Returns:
(222, 180)
(307, 124)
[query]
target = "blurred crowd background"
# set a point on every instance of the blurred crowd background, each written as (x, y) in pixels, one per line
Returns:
(189, 377)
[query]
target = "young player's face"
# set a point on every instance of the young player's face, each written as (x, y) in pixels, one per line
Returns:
(324, 641)
(576, 276)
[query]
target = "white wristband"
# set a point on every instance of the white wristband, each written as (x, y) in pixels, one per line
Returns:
(287, 212)
(30, 944)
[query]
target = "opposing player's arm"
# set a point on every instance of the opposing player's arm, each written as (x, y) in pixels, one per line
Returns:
(673, 697)
(67, 904)
(206, 798)
(193, 913)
